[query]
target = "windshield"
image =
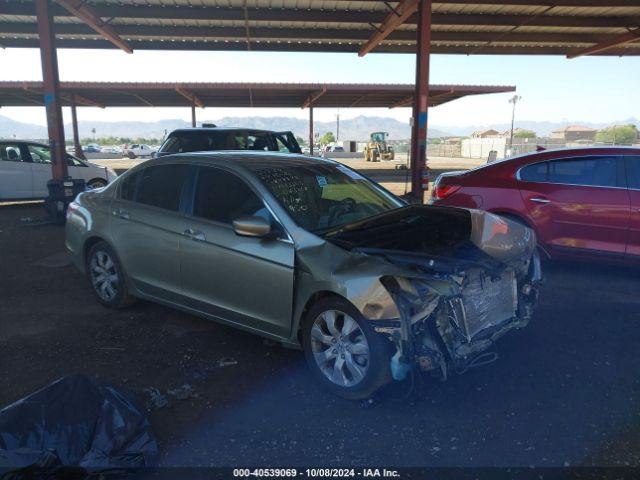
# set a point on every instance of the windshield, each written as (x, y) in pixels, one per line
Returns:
(378, 137)
(205, 141)
(323, 196)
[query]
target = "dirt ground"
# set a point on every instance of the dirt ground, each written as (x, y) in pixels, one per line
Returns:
(565, 390)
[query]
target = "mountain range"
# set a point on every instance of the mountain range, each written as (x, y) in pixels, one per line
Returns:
(357, 128)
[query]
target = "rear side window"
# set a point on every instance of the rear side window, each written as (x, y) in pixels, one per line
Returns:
(536, 172)
(128, 186)
(592, 171)
(633, 172)
(223, 197)
(161, 186)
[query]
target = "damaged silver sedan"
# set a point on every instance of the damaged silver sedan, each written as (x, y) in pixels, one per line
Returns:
(310, 253)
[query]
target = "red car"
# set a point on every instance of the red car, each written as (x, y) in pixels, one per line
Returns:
(580, 202)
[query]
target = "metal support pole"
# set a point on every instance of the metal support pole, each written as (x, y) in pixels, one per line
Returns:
(311, 130)
(419, 180)
(76, 137)
(51, 87)
(193, 115)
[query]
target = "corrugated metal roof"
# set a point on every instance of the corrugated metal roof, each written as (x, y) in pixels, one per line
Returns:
(19, 93)
(459, 26)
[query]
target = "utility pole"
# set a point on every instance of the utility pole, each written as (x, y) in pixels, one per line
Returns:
(515, 99)
(338, 126)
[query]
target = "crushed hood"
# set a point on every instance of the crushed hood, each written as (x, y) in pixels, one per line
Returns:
(445, 232)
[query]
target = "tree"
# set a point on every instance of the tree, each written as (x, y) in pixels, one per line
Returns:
(618, 134)
(522, 133)
(300, 141)
(327, 138)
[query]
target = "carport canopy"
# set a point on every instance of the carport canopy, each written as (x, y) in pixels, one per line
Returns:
(565, 27)
(274, 95)
(504, 27)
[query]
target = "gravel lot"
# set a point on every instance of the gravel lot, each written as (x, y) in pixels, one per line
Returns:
(565, 391)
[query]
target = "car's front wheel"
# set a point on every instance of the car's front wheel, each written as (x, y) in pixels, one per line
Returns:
(107, 277)
(96, 183)
(343, 351)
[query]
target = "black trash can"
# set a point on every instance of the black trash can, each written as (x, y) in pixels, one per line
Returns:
(61, 194)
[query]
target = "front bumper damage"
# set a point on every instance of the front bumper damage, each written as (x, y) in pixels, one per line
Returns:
(450, 317)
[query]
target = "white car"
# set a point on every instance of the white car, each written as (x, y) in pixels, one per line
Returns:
(25, 169)
(138, 150)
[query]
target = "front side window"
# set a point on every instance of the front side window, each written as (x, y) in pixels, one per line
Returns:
(161, 186)
(592, 171)
(223, 197)
(323, 196)
(10, 152)
(40, 154)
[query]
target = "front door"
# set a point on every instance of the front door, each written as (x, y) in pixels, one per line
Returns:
(16, 176)
(147, 226)
(633, 179)
(579, 204)
(243, 280)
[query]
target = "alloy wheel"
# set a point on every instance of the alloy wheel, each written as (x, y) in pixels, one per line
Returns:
(340, 348)
(104, 275)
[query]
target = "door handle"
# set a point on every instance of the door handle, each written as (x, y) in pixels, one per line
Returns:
(121, 214)
(196, 235)
(540, 200)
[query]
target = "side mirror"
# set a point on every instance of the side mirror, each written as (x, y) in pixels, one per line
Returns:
(252, 227)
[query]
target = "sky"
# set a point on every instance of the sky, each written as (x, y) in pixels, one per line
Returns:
(589, 89)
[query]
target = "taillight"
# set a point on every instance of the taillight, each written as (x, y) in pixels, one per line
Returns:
(443, 191)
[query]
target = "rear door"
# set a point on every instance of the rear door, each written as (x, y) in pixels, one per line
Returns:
(16, 176)
(243, 280)
(633, 179)
(579, 205)
(147, 226)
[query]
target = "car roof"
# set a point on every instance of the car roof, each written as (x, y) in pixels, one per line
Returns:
(219, 129)
(247, 158)
(17, 140)
(558, 153)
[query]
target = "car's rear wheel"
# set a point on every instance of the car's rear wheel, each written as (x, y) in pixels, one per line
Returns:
(107, 277)
(343, 351)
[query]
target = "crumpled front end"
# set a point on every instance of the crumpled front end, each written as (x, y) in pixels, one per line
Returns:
(452, 309)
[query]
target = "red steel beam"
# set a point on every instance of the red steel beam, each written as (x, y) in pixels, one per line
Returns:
(76, 136)
(401, 14)
(312, 98)
(87, 14)
(51, 88)
(311, 130)
(632, 36)
(419, 182)
(190, 96)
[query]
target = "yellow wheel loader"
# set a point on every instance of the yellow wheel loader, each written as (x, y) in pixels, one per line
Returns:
(378, 149)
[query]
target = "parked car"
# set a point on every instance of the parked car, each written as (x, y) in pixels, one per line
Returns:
(25, 169)
(580, 202)
(208, 139)
(113, 149)
(308, 252)
(91, 148)
(138, 150)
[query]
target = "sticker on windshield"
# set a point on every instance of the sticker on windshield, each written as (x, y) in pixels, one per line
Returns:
(350, 173)
(322, 181)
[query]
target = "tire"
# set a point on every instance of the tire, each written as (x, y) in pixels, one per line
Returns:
(96, 183)
(332, 358)
(131, 155)
(102, 262)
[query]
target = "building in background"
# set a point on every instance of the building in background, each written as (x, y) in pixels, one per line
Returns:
(575, 133)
